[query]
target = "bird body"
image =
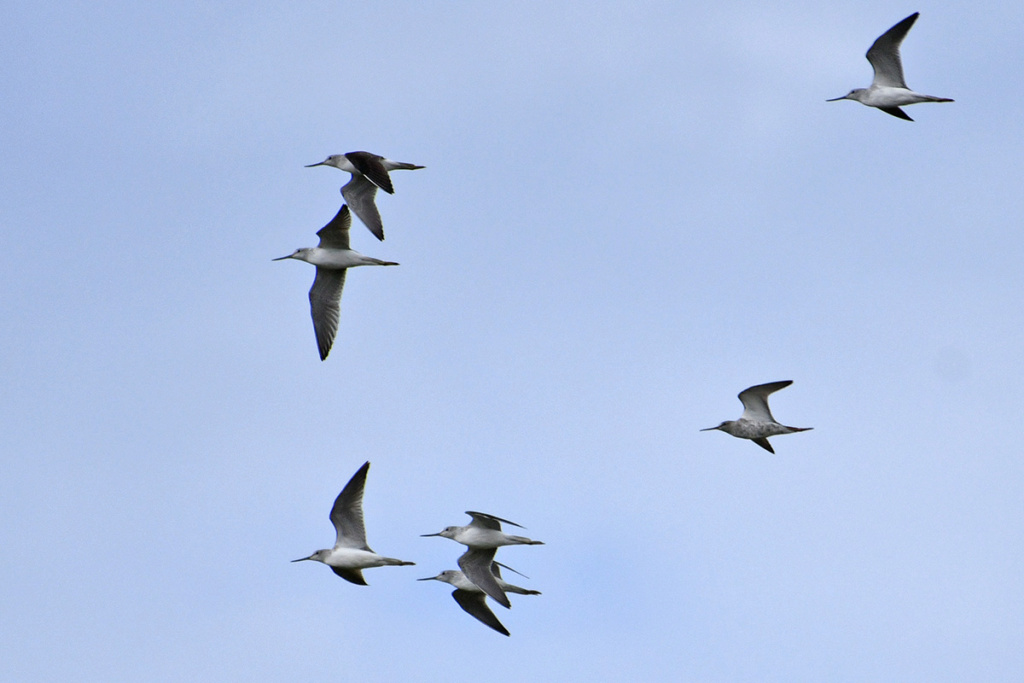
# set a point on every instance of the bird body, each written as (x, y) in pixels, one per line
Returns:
(369, 172)
(332, 258)
(483, 536)
(756, 423)
(484, 532)
(889, 90)
(472, 599)
(350, 554)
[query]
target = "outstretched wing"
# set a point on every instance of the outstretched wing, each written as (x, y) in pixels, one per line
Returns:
(476, 565)
(897, 112)
(371, 166)
(352, 575)
(359, 193)
(884, 55)
(347, 514)
(334, 235)
(486, 521)
(475, 604)
(755, 401)
(325, 306)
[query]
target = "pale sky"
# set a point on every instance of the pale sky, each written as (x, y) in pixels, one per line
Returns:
(629, 213)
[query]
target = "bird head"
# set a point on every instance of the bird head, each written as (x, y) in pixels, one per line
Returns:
(333, 160)
(447, 532)
(319, 556)
(852, 95)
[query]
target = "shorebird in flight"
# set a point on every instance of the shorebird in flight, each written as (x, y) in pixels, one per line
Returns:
(369, 171)
(473, 600)
(756, 423)
(332, 258)
(350, 554)
(889, 90)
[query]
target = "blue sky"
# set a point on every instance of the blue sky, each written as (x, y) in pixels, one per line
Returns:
(629, 214)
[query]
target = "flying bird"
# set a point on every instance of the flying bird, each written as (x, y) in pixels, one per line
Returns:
(350, 554)
(369, 171)
(332, 258)
(483, 536)
(889, 90)
(756, 423)
(473, 600)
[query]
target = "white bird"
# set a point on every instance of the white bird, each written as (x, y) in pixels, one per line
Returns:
(756, 423)
(332, 258)
(350, 554)
(473, 600)
(369, 171)
(484, 532)
(483, 536)
(889, 90)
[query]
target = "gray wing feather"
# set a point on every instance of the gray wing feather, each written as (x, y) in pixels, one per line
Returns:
(353, 575)
(476, 565)
(347, 513)
(755, 400)
(325, 306)
(334, 235)
(482, 519)
(475, 604)
(359, 193)
(884, 55)
(371, 166)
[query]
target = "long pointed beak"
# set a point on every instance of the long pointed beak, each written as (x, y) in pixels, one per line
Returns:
(303, 558)
(709, 429)
(319, 163)
(282, 258)
(425, 535)
(429, 578)
(836, 99)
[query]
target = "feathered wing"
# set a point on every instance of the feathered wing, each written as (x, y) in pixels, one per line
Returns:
(884, 55)
(352, 575)
(334, 235)
(371, 166)
(476, 565)
(897, 112)
(360, 193)
(475, 604)
(486, 521)
(347, 514)
(325, 306)
(755, 401)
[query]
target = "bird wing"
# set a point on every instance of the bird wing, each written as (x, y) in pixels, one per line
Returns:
(476, 565)
(763, 443)
(475, 604)
(347, 514)
(371, 166)
(359, 193)
(353, 575)
(897, 112)
(884, 55)
(486, 521)
(325, 306)
(755, 401)
(496, 568)
(334, 235)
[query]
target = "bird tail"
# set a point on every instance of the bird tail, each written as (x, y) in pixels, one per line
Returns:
(522, 540)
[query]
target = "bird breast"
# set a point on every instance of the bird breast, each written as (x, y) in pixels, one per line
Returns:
(335, 258)
(353, 558)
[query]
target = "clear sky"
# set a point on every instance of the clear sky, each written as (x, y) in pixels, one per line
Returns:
(630, 212)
